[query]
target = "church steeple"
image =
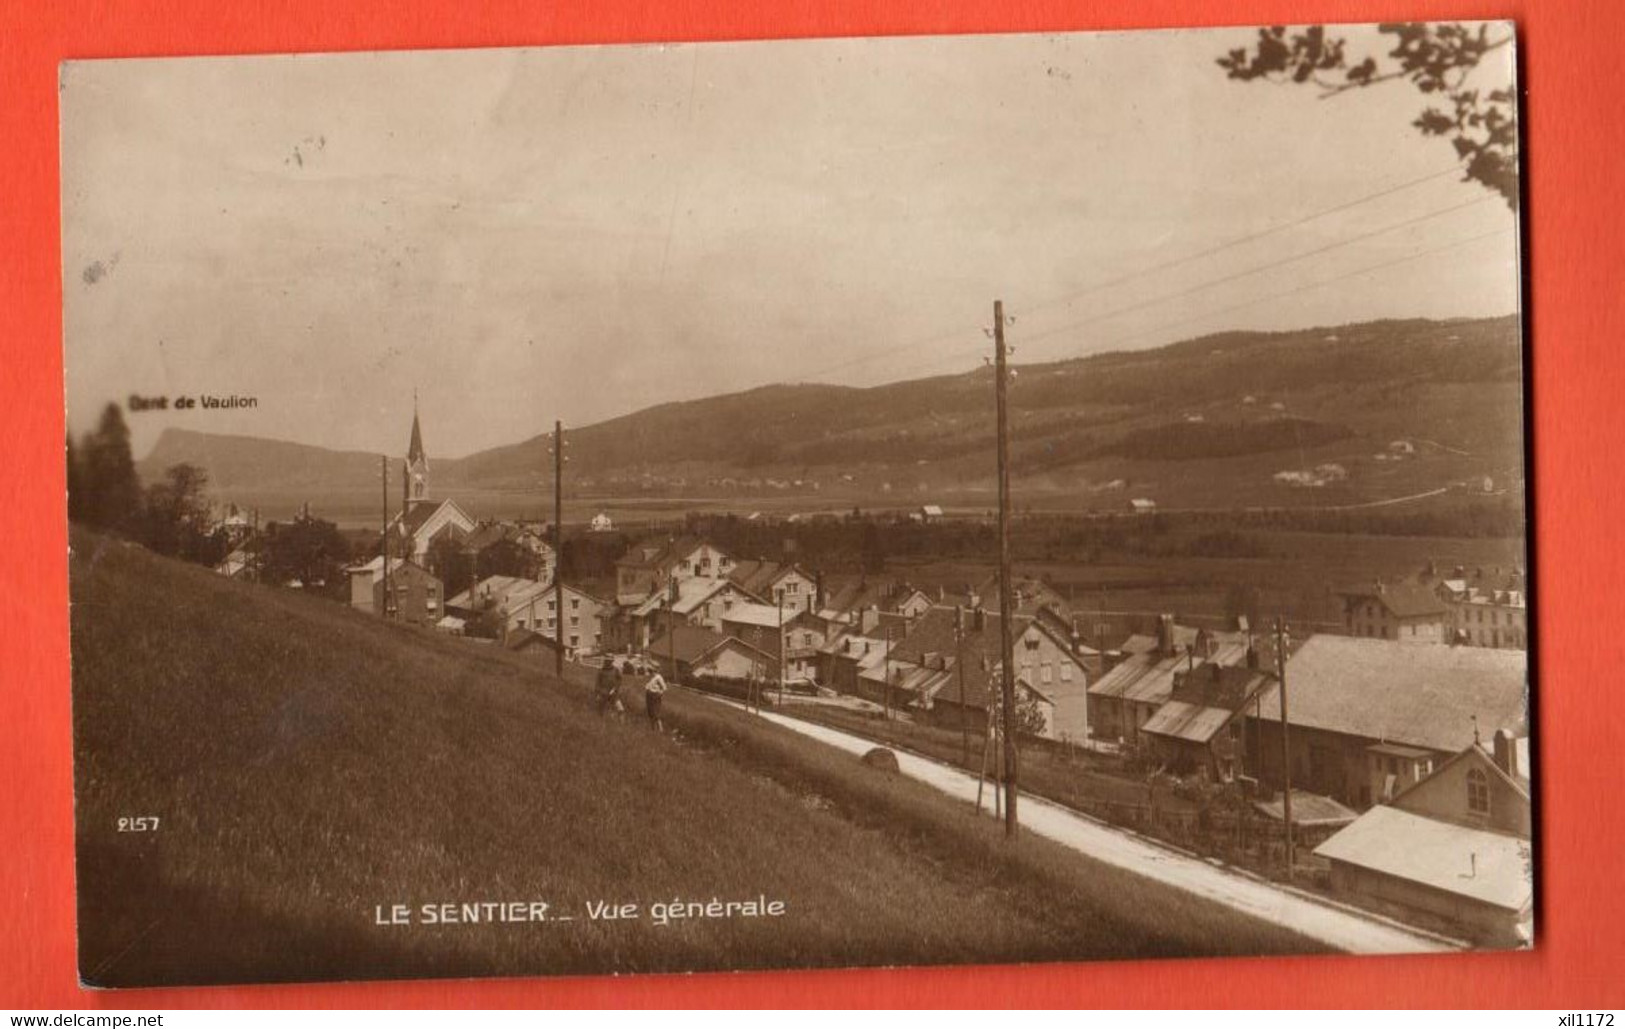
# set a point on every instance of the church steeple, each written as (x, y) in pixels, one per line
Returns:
(417, 461)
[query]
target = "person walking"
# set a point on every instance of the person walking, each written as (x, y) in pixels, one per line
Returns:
(654, 691)
(608, 688)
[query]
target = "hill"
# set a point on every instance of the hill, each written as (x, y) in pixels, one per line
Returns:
(310, 768)
(1205, 422)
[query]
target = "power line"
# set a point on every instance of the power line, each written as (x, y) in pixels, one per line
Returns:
(883, 353)
(1250, 237)
(1180, 294)
(1356, 273)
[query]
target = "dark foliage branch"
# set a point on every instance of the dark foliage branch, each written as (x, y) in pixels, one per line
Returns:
(1437, 59)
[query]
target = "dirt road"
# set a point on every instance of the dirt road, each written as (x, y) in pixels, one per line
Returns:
(1337, 926)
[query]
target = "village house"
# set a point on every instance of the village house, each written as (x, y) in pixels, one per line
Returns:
(1452, 850)
(414, 595)
(650, 567)
(1371, 717)
(1126, 697)
(1487, 609)
(691, 654)
(968, 644)
(531, 605)
(1202, 727)
(691, 601)
(508, 545)
(774, 582)
(1405, 611)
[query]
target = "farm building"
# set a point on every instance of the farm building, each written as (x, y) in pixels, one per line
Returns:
(1353, 701)
(1126, 697)
(414, 594)
(1452, 850)
(1404, 611)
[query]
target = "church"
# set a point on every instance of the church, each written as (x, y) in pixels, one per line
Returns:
(422, 520)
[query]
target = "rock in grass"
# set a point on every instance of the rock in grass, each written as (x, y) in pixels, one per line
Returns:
(882, 759)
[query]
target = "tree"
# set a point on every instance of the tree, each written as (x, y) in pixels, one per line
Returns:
(505, 557)
(107, 479)
(451, 564)
(1437, 59)
(175, 518)
(1030, 718)
(76, 485)
(308, 550)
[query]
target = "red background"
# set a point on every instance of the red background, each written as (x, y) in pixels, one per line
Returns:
(1572, 73)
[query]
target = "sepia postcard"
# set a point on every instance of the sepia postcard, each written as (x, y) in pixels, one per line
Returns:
(797, 504)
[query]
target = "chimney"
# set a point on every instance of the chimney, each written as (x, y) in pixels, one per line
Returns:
(1381, 589)
(818, 589)
(1506, 752)
(942, 594)
(1252, 654)
(1165, 635)
(979, 623)
(959, 618)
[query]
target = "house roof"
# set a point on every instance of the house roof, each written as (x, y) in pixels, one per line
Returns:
(662, 555)
(1147, 677)
(1489, 867)
(1422, 695)
(688, 642)
(691, 593)
(375, 567)
(1401, 599)
(764, 615)
(1193, 723)
(524, 639)
(759, 576)
(514, 593)
(1309, 809)
(979, 649)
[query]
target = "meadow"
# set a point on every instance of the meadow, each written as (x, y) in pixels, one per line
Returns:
(311, 768)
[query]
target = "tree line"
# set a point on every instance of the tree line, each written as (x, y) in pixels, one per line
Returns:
(174, 516)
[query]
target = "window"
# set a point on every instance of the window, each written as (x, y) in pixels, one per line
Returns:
(1478, 792)
(552, 605)
(575, 620)
(575, 639)
(575, 603)
(1046, 672)
(791, 588)
(1066, 672)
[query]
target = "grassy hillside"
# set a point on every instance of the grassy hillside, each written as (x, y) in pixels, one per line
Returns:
(308, 764)
(1247, 404)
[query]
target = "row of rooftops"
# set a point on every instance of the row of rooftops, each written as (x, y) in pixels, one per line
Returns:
(1429, 697)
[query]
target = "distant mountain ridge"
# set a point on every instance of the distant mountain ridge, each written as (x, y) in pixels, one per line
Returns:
(1315, 394)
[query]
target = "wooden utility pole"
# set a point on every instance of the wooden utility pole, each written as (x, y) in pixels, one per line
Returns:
(1286, 747)
(1007, 649)
(383, 608)
(781, 649)
(959, 669)
(558, 547)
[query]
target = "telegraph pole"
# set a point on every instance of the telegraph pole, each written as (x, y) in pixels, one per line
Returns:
(383, 539)
(959, 669)
(1286, 749)
(1007, 649)
(558, 547)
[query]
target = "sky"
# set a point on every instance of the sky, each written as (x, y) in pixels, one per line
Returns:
(580, 232)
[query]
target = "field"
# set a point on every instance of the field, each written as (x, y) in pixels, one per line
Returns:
(1295, 574)
(310, 768)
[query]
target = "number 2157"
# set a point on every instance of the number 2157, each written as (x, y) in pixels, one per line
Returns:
(145, 823)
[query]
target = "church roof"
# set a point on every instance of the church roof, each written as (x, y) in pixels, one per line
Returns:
(414, 450)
